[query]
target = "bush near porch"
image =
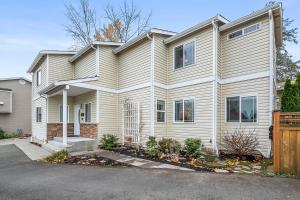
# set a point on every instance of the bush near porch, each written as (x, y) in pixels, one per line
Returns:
(7, 135)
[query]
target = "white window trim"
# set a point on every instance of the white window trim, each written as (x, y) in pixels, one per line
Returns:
(85, 112)
(38, 79)
(165, 111)
(68, 117)
(182, 44)
(183, 99)
(243, 33)
(240, 103)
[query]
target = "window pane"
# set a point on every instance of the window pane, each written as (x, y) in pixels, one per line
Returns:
(160, 116)
(189, 110)
(235, 34)
(251, 28)
(179, 111)
(248, 109)
(161, 105)
(233, 109)
(178, 57)
(60, 113)
(189, 54)
(88, 112)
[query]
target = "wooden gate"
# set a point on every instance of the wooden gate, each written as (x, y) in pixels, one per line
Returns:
(286, 143)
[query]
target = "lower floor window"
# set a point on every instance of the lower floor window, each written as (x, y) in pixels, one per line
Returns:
(38, 114)
(184, 110)
(88, 112)
(241, 109)
(160, 110)
(61, 113)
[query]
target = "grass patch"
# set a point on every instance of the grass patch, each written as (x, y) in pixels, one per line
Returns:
(58, 157)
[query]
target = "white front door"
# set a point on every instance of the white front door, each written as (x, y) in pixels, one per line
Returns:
(77, 120)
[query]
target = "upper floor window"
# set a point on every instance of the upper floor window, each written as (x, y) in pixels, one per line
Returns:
(184, 110)
(38, 115)
(38, 77)
(184, 55)
(244, 31)
(88, 112)
(161, 110)
(241, 109)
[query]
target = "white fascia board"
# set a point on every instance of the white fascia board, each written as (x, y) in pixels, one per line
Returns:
(15, 78)
(108, 43)
(251, 16)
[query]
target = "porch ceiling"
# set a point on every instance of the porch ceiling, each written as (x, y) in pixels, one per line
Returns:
(72, 91)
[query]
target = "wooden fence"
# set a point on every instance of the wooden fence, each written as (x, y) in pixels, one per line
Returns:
(286, 143)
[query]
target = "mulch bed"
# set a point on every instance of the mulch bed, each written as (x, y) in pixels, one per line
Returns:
(94, 160)
(141, 153)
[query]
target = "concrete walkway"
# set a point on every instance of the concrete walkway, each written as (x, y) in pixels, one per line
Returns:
(137, 162)
(34, 152)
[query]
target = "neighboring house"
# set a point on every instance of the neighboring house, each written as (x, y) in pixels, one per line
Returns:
(15, 105)
(201, 82)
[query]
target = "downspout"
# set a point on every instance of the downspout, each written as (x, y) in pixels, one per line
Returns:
(152, 84)
(214, 87)
(271, 94)
(46, 99)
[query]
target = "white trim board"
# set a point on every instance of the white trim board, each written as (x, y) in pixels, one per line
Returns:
(176, 85)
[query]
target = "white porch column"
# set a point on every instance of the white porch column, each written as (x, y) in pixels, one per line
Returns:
(65, 114)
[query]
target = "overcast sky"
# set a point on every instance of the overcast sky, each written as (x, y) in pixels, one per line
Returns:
(26, 27)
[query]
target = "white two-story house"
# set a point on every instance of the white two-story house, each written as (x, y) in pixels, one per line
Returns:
(202, 82)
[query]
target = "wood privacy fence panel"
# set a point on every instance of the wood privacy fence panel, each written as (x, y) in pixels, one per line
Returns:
(286, 143)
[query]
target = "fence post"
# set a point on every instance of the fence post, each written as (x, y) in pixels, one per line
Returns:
(276, 142)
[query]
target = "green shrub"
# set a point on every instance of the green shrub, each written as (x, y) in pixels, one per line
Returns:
(57, 157)
(169, 145)
(1, 134)
(109, 141)
(152, 147)
(192, 146)
(10, 135)
(290, 100)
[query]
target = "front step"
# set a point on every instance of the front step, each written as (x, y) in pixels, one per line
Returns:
(74, 144)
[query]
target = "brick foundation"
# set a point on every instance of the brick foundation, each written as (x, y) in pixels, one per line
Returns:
(56, 130)
(86, 130)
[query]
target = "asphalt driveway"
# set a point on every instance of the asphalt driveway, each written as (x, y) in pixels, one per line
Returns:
(21, 178)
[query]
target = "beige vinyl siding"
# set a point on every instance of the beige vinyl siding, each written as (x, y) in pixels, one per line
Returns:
(260, 88)
(35, 88)
(202, 126)
(134, 65)
(160, 59)
(85, 66)
(160, 128)
(141, 96)
(89, 97)
(247, 54)
(60, 68)
(108, 68)
(203, 60)
(39, 129)
(109, 114)
(53, 108)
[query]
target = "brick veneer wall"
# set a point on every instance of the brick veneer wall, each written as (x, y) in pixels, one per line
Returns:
(56, 130)
(89, 130)
(86, 130)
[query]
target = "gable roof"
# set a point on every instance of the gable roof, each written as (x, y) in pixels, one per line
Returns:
(277, 13)
(195, 28)
(135, 40)
(15, 78)
(91, 46)
(41, 55)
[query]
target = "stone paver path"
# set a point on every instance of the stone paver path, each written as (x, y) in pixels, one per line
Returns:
(32, 151)
(137, 162)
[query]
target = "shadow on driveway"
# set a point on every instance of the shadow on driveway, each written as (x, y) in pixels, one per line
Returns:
(21, 178)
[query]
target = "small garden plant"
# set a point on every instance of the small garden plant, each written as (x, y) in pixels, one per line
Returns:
(169, 146)
(58, 157)
(6, 135)
(192, 147)
(152, 147)
(109, 141)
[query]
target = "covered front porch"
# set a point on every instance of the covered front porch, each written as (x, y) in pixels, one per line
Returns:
(72, 116)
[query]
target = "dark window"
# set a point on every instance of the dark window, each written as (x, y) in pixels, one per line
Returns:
(184, 55)
(233, 109)
(179, 57)
(179, 111)
(38, 78)
(38, 114)
(88, 112)
(248, 109)
(161, 110)
(235, 34)
(184, 110)
(61, 113)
